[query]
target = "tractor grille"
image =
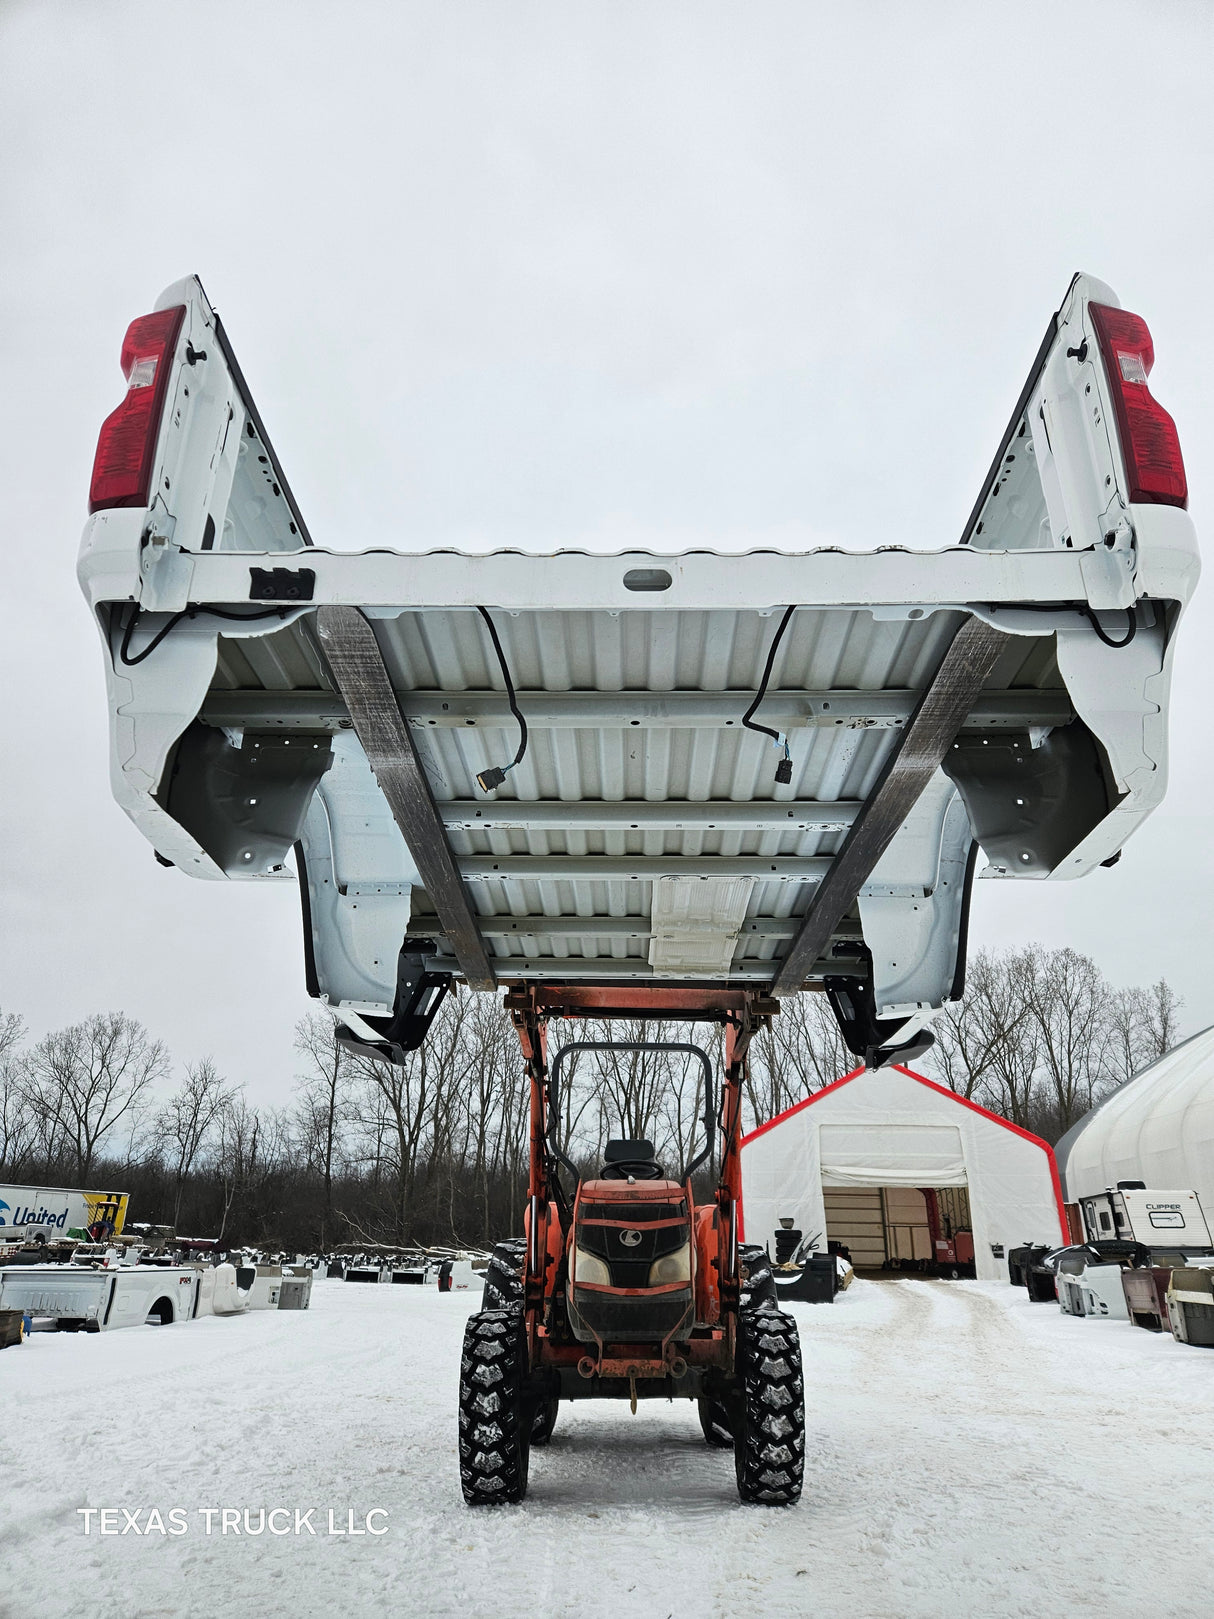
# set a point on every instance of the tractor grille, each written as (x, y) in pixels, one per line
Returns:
(613, 1319)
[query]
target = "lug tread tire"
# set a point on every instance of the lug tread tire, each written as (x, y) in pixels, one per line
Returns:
(544, 1421)
(714, 1420)
(769, 1441)
(504, 1291)
(504, 1275)
(494, 1419)
(758, 1290)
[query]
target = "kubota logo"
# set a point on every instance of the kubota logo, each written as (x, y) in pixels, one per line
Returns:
(630, 1239)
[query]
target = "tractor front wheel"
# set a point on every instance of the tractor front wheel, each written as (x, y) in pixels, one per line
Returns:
(504, 1291)
(494, 1416)
(769, 1433)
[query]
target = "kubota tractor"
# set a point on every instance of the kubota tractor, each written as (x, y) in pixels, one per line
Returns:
(621, 1288)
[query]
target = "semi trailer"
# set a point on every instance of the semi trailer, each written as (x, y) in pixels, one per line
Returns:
(637, 786)
(50, 1214)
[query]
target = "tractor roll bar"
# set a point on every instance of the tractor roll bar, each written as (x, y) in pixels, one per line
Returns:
(632, 1045)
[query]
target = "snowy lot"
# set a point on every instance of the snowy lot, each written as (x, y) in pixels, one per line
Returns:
(956, 1433)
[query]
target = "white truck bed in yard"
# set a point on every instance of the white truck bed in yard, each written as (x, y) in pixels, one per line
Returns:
(272, 700)
(103, 1299)
(129, 1295)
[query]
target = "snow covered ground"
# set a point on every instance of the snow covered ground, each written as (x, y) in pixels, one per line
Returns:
(958, 1436)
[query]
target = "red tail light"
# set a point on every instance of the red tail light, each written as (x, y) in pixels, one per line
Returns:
(122, 467)
(1153, 461)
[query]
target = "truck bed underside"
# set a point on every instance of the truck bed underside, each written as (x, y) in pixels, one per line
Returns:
(643, 835)
(274, 703)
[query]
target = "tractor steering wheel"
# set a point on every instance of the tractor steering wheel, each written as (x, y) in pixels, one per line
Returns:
(641, 1169)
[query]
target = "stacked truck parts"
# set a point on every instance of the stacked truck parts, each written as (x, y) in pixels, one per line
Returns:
(1149, 1259)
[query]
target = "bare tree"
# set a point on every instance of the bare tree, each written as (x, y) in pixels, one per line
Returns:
(86, 1081)
(12, 1033)
(987, 1043)
(492, 1081)
(187, 1120)
(1070, 1001)
(1041, 1035)
(631, 1085)
(323, 1107)
(1161, 1008)
(18, 1130)
(798, 1054)
(410, 1105)
(1144, 1026)
(253, 1151)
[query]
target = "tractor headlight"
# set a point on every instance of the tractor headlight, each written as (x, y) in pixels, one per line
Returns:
(675, 1267)
(589, 1268)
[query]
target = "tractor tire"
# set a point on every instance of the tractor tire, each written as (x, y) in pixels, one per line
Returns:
(714, 1420)
(758, 1291)
(504, 1275)
(544, 1421)
(494, 1416)
(504, 1291)
(769, 1437)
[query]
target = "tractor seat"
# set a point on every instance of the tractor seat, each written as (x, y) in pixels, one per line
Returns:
(636, 1158)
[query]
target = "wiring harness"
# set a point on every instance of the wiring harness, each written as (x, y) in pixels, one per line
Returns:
(784, 768)
(494, 775)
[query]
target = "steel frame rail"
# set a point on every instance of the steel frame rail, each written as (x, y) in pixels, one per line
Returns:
(912, 761)
(360, 674)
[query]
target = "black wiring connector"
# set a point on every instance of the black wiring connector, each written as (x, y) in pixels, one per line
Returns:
(784, 767)
(494, 775)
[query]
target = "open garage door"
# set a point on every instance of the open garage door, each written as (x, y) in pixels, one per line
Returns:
(891, 1155)
(855, 1218)
(890, 1227)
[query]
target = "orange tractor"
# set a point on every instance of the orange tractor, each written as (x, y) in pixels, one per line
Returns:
(621, 1287)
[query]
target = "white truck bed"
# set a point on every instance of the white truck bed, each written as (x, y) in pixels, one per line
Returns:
(273, 701)
(102, 1299)
(120, 1295)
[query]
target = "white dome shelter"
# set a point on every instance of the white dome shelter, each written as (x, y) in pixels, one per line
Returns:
(849, 1162)
(1158, 1127)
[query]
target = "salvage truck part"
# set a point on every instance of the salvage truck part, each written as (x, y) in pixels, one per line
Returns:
(99, 1300)
(268, 696)
(554, 775)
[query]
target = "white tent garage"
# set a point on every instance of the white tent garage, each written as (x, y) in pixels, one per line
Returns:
(846, 1163)
(1157, 1127)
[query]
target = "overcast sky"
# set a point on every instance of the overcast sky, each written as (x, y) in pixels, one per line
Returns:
(561, 274)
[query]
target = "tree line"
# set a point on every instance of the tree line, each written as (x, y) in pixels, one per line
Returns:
(366, 1153)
